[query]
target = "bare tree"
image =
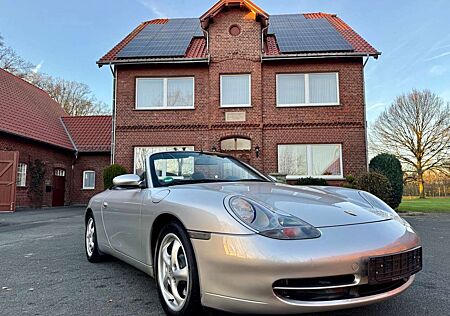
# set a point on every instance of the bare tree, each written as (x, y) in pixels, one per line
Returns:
(416, 128)
(76, 98)
(12, 62)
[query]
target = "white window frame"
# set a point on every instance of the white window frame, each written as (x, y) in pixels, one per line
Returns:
(22, 175)
(84, 184)
(309, 163)
(164, 106)
(249, 105)
(307, 103)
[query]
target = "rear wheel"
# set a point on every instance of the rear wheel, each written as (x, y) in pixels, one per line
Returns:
(91, 245)
(176, 272)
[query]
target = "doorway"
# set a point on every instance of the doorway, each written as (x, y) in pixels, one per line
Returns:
(238, 147)
(59, 187)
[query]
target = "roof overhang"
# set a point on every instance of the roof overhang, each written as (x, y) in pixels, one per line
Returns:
(317, 56)
(141, 61)
(224, 4)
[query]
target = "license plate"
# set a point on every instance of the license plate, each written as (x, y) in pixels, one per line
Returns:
(394, 267)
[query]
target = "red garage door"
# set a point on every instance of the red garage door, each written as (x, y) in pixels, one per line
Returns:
(8, 174)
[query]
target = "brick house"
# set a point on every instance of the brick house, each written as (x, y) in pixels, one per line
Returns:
(74, 150)
(282, 92)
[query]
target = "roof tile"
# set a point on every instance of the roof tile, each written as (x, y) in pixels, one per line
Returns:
(28, 111)
(90, 133)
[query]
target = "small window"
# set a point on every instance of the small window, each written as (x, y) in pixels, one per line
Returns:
(60, 172)
(307, 89)
(318, 160)
(21, 175)
(165, 93)
(88, 180)
(235, 90)
(235, 144)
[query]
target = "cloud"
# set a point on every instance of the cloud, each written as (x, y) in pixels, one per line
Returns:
(37, 67)
(376, 105)
(438, 70)
(438, 56)
(149, 4)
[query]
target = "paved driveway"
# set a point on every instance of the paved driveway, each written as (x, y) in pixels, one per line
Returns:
(43, 271)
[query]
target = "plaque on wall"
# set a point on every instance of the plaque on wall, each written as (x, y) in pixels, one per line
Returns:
(234, 116)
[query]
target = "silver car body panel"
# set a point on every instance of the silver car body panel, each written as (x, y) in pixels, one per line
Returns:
(238, 267)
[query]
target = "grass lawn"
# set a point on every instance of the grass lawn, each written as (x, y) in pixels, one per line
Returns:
(428, 205)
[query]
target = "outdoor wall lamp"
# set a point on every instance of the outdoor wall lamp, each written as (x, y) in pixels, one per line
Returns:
(214, 149)
(257, 151)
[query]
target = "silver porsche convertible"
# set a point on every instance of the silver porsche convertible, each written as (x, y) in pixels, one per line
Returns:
(214, 232)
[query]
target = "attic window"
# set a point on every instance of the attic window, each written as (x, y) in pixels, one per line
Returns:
(235, 30)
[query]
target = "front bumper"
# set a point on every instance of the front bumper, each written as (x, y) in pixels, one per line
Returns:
(237, 272)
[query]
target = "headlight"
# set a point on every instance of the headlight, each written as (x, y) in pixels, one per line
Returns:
(269, 222)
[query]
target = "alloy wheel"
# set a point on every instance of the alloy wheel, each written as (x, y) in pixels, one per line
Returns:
(173, 272)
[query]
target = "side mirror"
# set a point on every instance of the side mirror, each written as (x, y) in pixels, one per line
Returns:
(127, 180)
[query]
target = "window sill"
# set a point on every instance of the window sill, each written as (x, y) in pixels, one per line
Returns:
(88, 189)
(235, 106)
(307, 105)
(165, 108)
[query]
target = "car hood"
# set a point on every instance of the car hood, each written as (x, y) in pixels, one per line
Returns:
(315, 205)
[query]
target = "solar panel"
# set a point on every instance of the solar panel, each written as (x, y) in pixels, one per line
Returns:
(295, 33)
(163, 40)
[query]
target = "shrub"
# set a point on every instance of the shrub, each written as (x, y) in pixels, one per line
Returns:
(350, 182)
(390, 166)
(110, 173)
(311, 181)
(375, 183)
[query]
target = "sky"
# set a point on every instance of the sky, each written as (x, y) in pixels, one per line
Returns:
(66, 38)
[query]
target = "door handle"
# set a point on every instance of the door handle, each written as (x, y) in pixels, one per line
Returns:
(105, 204)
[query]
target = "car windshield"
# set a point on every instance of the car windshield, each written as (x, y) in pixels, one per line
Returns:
(182, 167)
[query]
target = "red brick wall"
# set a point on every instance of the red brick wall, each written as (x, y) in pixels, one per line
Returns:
(53, 157)
(266, 125)
(88, 161)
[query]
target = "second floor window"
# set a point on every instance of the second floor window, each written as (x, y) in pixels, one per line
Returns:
(165, 93)
(235, 90)
(307, 89)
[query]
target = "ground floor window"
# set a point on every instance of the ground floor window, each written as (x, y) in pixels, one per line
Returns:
(141, 152)
(304, 160)
(21, 175)
(88, 180)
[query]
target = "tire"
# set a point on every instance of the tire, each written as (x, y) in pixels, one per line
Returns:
(90, 240)
(177, 273)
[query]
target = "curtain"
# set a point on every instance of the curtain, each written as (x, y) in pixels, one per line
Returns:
(150, 93)
(322, 88)
(291, 89)
(292, 160)
(235, 90)
(180, 92)
(326, 160)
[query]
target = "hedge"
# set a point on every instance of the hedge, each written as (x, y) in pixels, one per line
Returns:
(110, 173)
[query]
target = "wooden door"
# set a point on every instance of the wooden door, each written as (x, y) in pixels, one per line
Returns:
(8, 177)
(59, 187)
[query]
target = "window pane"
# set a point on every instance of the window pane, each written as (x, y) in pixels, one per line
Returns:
(236, 144)
(150, 93)
(89, 179)
(21, 175)
(323, 88)
(236, 90)
(180, 92)
(291, 89)
(292, 160)
(140, 153)
(326, 160)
